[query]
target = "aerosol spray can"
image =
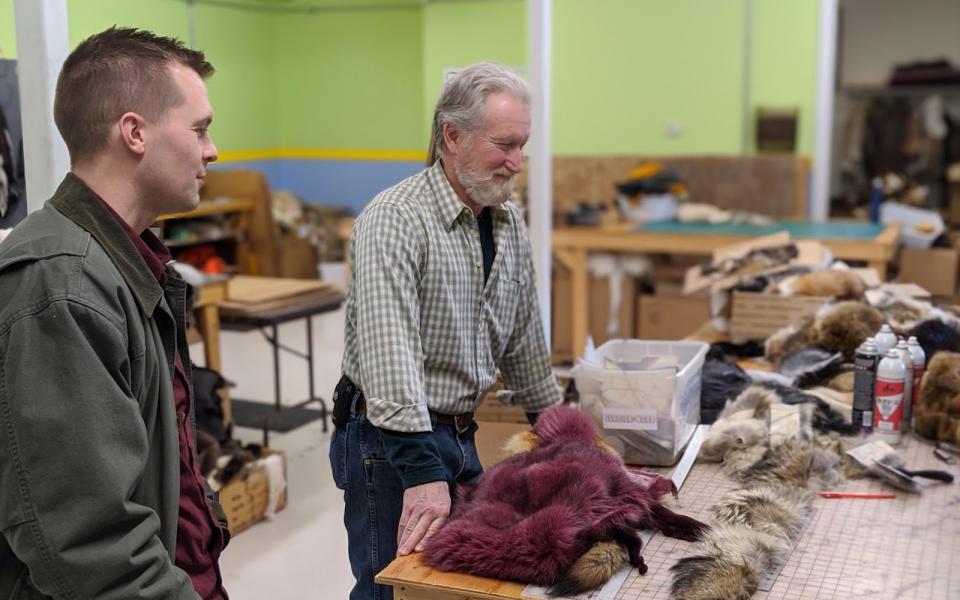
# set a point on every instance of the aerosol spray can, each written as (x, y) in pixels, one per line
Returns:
(919, 366)
(864, 384)
(885, 339)
(888, 399)
(907, 385)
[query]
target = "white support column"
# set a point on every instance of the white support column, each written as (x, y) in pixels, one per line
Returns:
(540, 166)
(819, 206)
(41, 49)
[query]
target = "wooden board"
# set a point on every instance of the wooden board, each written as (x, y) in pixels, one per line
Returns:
(254, 290)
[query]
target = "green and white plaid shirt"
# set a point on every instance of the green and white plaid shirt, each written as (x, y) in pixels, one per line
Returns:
(422, 330)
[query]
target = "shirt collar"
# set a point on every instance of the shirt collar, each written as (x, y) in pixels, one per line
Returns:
(154, 253)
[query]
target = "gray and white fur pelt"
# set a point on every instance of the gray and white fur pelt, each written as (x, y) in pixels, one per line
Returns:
(773, 450)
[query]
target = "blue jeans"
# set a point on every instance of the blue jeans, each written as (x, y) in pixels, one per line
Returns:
(373, 494)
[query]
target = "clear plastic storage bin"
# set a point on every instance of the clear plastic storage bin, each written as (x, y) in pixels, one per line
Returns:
(644, 396)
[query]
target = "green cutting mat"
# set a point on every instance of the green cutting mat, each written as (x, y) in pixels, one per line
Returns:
(829, 230)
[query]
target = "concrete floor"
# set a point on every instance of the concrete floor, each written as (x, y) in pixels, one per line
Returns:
(302, 551)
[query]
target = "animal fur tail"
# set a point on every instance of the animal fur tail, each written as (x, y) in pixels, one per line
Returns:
(592, 570)
(731, 562)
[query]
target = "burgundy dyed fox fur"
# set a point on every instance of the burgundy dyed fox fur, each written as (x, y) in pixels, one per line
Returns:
(533, 515)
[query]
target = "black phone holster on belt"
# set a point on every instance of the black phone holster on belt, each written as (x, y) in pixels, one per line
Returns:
(344, 397)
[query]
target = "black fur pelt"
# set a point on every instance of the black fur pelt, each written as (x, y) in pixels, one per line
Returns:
(721, 382)
(728, 350)
(936, 336)
(825, 418)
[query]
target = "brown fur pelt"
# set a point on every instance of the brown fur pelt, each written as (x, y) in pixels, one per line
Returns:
(839, 327)
(841, 284)
(208, 452)
(845, 325)
(938, 410)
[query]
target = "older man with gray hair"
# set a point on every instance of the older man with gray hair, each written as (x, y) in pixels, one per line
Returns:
(441, 296)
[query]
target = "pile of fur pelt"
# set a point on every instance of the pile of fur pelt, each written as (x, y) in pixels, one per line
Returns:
(562, 512)
(780, 459)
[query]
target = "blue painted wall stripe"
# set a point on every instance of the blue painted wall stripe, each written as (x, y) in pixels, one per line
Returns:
(350, 183)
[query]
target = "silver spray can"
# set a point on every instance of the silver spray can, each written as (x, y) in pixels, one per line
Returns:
(904, 350)
(864, 381)
(888, 397)
(919, 366)
(885, 339)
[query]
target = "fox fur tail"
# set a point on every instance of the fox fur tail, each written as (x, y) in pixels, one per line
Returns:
(592, 569)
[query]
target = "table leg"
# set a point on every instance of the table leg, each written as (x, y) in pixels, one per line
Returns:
(313, 395)
(208, 323)
(580, 300)
(880, 266)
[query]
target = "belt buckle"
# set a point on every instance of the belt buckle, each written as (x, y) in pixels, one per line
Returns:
(457, 420)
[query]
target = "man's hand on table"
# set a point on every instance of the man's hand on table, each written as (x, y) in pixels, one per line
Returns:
(425, 508)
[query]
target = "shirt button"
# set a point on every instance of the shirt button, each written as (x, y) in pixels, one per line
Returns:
(477, 265)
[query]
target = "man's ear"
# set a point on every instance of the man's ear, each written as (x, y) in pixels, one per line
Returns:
(132, 132)
(452, 139)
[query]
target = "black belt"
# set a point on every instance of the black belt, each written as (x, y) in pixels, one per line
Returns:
(460, 422)
(346, 391)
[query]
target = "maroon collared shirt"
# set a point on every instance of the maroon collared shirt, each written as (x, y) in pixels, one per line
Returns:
(199, 539)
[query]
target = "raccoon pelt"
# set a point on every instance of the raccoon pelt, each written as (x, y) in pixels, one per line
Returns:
(787, 463)
(840, 284)
(904, 313)
(777, 510)
(938, 409)
(742, 430)
(534, 515)
(842, 327)
(742, 425)
(731, 560)
(839, 327)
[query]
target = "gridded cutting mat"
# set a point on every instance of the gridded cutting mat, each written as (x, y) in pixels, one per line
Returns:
(903, 549)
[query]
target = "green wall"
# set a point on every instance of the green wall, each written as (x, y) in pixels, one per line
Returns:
(461, 33)
(368, 78)
(349, 79)
(625, 68)
(8, 34)
(784, 61)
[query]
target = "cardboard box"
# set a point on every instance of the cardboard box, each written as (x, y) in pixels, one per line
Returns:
(296, 257)
(670, 315)
(493, 411)
(597, 322)
(491, 437)
(756, 316)
(934, 269)
(245, 499)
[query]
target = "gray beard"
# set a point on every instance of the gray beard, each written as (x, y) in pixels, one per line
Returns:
(483, 190)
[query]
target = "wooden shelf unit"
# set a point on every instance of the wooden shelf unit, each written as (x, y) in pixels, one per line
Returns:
(237, 217)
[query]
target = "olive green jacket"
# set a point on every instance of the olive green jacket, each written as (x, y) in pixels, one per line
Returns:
(89, 452)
